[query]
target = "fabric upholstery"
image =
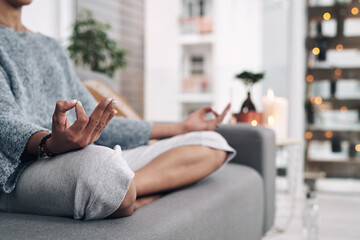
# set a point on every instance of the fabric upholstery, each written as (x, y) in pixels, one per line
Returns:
(256, 148)
(226, 205)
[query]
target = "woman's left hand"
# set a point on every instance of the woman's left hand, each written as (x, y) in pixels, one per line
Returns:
(196, 121)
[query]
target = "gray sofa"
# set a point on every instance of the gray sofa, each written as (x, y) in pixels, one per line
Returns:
(237, 202)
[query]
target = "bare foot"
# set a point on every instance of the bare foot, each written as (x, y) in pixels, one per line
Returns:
(140, 202)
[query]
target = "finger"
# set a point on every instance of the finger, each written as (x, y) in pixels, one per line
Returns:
(103, 120)
(98, 133)
(63, 106)
(95, 117)
(81, 119)
(59, 116)
(206, 109)
(223, 114)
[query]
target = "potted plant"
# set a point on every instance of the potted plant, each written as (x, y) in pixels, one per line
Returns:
(248, 111)
(91, 47)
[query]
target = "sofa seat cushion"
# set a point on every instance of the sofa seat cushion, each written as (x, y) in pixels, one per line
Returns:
(226, 205)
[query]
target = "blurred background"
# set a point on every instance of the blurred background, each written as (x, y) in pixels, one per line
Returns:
(182, 55)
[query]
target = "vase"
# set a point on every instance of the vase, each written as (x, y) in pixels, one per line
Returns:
(248, 105)
(248, 112)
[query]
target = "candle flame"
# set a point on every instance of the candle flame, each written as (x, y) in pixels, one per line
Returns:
(271, 120)
(254, 123)
(270, 93)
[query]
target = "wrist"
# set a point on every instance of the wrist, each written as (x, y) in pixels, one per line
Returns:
(50, 146)
(183, 128)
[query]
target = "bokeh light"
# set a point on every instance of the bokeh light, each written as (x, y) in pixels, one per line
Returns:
(308, 135)
(327, 16)
(309, 78)
(316, 51)
(355, 11)
(339, 47)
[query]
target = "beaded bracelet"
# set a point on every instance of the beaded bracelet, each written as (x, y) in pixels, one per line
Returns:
(43, 151)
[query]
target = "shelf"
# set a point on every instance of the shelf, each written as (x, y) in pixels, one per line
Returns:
(350, 168)
(336, 104)
(347, 42)
(345, 161)
(350, 130)
(329, 73)
(345, 135)
(316, 13)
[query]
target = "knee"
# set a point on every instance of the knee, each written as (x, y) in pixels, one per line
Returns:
(99, 181)
(127, 206)
(130, 197)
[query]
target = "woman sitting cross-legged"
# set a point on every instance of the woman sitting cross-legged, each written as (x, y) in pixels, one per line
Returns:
(68, 161)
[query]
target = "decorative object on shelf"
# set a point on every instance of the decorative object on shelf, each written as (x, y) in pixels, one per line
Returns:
(91, 47)
(336, 144)
(310, 112)
(248, 113)
(275, 114)
(332, 89)
(322, 43)
(352, 150)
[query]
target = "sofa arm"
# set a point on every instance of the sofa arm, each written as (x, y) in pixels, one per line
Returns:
(255, 148)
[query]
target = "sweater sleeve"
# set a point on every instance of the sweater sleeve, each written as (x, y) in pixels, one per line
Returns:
(127, 133)
(15, 131)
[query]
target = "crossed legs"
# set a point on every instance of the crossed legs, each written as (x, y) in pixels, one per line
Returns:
(176, 168)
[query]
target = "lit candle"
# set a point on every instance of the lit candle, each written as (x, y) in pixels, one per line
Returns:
(275, 114)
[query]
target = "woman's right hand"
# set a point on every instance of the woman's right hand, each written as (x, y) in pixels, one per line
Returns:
(84, 131)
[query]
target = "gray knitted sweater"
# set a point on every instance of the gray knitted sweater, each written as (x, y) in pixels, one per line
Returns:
(35, 72)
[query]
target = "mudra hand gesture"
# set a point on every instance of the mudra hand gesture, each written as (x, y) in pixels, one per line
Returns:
(197, 122)
(84, 131)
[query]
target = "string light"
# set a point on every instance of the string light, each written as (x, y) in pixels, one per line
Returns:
(309, 78)
(354, 11)
(339, 47)
(254, 123)
(357, 148)
(343, 109)
(338, 72)
(328, 134)
(316, 51)
(308, 135)
(327, 16)
(318, 100)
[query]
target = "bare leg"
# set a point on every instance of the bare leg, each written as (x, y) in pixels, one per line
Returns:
(171, 170)
(177, 168)
(142, 201)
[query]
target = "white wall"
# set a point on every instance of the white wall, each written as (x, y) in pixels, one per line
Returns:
(50, 17)
(162, 60)
(237, 47)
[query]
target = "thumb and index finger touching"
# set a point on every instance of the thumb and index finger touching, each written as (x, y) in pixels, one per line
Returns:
(219, 117)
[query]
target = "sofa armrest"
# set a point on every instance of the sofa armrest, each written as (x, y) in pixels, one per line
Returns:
(255, 148)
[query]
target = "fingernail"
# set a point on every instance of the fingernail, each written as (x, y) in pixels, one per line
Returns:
(108, 101)
(113, 103)
(114, 112)
(79, 103)
(73, 101)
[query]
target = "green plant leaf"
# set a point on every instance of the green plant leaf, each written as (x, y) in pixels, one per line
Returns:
(90, 46)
